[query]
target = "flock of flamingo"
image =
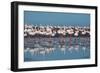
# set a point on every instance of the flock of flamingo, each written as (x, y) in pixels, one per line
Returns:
(49, 32)
(53, 31)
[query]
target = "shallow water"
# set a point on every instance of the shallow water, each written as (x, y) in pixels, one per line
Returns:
(59, 48)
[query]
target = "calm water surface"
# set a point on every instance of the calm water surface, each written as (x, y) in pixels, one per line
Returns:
(46, 49)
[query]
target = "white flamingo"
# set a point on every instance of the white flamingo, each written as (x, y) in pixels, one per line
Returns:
(25, 34)
(84, 32)
(70, 31)
(76, 33)
(31, 33)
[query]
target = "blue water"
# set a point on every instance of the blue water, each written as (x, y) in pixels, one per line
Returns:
(56, 18)
(57, 54)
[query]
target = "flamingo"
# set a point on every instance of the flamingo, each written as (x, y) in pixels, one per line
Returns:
(31, 33)
(76, 33)
(70, 32)
(25, 34)
(83, 32)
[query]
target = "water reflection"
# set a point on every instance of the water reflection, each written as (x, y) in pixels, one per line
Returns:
(37, 49)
